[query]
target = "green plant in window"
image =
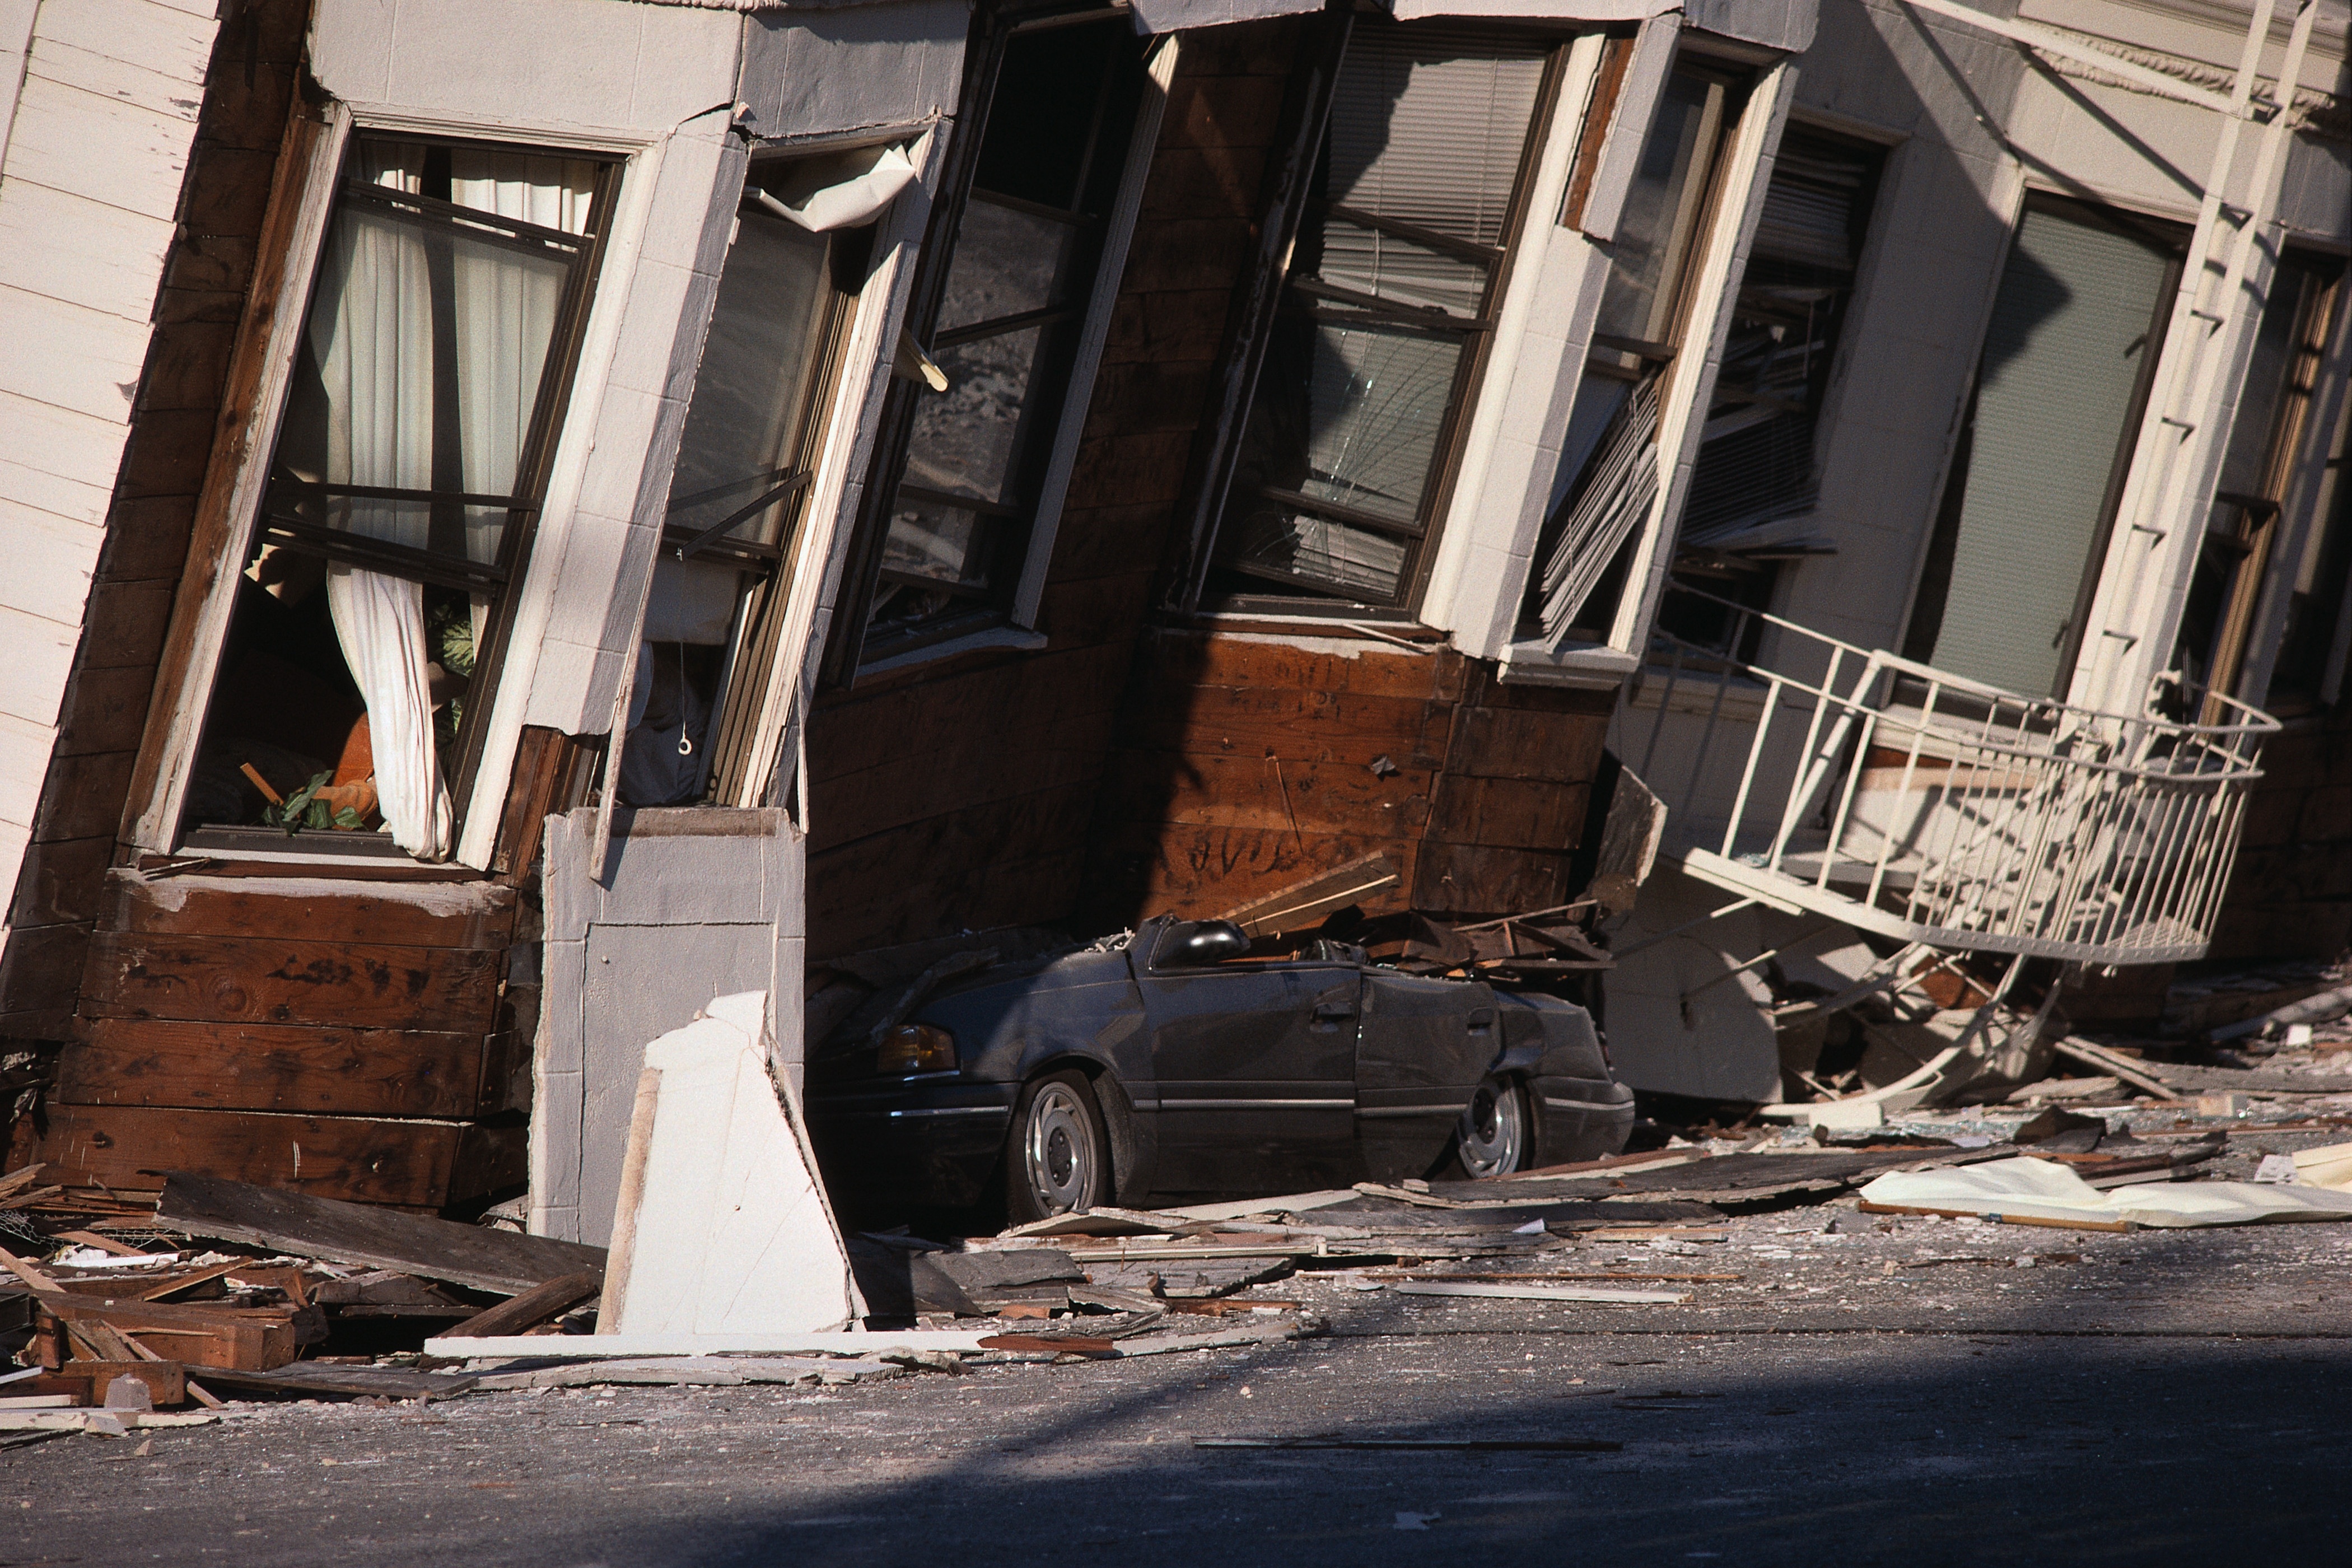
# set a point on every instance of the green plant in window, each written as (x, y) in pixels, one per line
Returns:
(303, 809)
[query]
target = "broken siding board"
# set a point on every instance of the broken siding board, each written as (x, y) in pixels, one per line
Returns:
(352, 1234)
(457, 915)
(278, 1067)
(414, 1163)
(59, 882)
(88, 40)
(239, 980)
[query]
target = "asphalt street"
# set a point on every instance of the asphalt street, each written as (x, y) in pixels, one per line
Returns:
(1925, 1392)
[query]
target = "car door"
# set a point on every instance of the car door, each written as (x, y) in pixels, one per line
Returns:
(1252, 1063)
(1421, 1047)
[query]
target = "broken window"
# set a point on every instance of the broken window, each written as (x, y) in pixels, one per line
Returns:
(746, 466)
(1751, 497)
(1608, 469)
(2068, 359)
(1386, 315)
(2267, 438)
(404, 480)
(1013, 281)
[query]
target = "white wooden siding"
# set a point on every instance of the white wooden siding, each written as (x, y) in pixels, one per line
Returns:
(98, 112)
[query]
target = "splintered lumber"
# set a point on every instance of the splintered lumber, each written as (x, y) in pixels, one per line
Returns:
(209, 1336)
(337, 1232)
(1303, 903)
(2114, 1064)
(310, 1378)
(167, 1380)
(532, 1308)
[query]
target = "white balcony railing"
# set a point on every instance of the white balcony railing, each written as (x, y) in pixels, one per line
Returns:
(1925, 806)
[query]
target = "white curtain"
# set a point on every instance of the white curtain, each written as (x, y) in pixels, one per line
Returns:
(506, 308)
(370, 331)
(372, 334)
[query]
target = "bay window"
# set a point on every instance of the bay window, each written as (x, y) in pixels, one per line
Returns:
(1386, 315)
(406, 478)
(1610, 470)
(964, 488)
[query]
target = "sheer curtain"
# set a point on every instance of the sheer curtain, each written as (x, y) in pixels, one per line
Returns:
(375, 330)
(371, 332)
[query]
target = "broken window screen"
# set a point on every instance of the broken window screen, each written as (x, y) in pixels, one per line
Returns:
(407, 470)
(2034, 482)
(745, 468)
(1608, 478)
(1751, 499)
(1018, 280)
(1385, 314)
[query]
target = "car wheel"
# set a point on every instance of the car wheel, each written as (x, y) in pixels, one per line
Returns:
(1059, 1157)
(1495, 1133)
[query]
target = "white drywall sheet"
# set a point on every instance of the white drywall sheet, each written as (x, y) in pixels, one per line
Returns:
(722, 1226)
(2042, 1189)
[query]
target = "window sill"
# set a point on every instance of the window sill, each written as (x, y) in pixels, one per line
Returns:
(1590, 668)
(1016, 639)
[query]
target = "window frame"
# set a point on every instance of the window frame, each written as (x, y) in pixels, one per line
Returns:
(852, 650)
(1706, 260)
(731, 741)
(230, 521)
(1481, 334)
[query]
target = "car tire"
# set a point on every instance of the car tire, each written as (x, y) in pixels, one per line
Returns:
(1496, 1135)
(1058, 1159)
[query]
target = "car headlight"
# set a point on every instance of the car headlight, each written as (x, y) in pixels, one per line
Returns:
(916, 1047)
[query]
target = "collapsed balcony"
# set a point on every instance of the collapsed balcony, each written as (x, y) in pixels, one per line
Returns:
(1810, 775)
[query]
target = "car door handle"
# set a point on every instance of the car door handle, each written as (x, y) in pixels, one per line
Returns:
(1334, 1010)
(1481, 1020)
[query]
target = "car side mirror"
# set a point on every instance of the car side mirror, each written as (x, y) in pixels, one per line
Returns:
(1202, 942)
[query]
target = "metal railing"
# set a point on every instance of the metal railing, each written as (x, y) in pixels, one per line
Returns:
(1926, 806)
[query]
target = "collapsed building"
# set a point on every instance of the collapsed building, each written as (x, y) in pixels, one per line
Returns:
(537, 514)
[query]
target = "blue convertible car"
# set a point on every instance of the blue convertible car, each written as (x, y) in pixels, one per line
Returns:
(1172, 1063)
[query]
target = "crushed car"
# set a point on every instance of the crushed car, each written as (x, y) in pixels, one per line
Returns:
(1180, 1062)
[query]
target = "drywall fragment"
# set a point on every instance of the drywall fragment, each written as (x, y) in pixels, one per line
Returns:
(722, 1228)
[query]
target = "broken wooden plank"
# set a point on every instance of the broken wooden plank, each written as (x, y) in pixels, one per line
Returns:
(1306, 903)
(2048, 1223)
(310, 1379)
(2115, 1064)
(540, 1304)
(831, 1342)
(370, 1238)
(209, 1336)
